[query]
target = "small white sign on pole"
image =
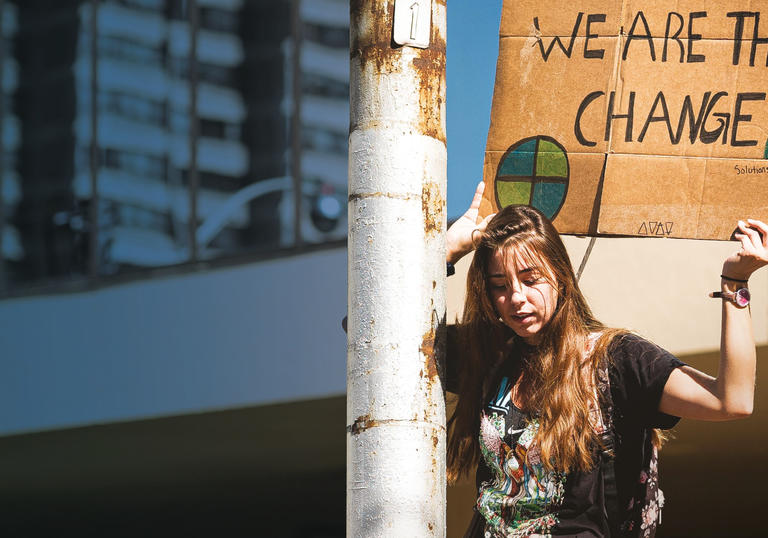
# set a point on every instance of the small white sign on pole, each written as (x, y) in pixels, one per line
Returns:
(413, 21)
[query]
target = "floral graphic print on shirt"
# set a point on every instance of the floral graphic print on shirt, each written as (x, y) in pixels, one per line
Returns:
(647, 503)
(521, 495)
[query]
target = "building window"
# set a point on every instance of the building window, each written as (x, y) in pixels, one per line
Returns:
(138, 164)
(149, 5)
(314, 84)
(219, 129)
(119, 48)
(334, 37)
(134, 107)
(206, 72)
(219, 20)
(177, 9)
(324, 140)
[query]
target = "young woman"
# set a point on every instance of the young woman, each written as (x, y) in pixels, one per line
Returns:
(561, 415)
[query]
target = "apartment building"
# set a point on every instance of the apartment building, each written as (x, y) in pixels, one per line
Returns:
(173, 266)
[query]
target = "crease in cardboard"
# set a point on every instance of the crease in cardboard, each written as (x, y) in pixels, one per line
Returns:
(703, 186)
(526, 51)
(680, 158)
(618, 82)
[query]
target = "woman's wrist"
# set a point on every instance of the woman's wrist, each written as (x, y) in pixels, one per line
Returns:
(730, 285)
(452, 258)
(453, 255)
(736, 272)
(456, 250)
(734, 279)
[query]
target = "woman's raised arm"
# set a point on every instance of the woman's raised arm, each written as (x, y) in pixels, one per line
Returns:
(690, 393)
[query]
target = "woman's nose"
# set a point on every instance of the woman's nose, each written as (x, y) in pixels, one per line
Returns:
(516, 296)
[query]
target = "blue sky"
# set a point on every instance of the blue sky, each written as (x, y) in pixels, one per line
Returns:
(473, 34)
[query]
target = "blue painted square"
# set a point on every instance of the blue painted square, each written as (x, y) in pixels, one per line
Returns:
(548, 197)
(519, 162)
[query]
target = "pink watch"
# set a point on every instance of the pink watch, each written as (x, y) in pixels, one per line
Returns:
(740, 297)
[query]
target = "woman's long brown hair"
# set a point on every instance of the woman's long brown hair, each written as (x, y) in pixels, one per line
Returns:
(558, 384)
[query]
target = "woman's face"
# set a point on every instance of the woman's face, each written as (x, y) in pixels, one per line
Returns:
(522, 296)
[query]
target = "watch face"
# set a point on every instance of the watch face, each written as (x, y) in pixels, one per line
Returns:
(741, 298)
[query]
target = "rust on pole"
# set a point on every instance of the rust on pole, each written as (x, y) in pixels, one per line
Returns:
(396, 298)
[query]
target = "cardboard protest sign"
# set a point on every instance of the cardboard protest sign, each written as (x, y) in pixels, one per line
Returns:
(640, 117)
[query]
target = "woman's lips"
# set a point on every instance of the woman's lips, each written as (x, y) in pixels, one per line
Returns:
(523, 317)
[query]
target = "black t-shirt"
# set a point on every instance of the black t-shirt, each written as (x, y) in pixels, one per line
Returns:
(524, 500)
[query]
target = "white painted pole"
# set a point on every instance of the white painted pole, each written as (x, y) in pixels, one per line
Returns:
(396, 300)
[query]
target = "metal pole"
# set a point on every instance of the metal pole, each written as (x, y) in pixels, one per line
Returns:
(396, 297)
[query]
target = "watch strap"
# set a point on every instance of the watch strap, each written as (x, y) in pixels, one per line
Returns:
(740, 297)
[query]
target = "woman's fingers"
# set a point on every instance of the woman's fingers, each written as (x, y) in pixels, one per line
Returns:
(477, 233)
(753, 236)
(753, 239)
(464, 235)
(746, 242)
(484, 223)
(474, 207)
(479, 190)
(476, 236)
(762, 227)
(460, 237)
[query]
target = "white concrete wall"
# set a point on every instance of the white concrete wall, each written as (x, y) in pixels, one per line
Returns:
(655, 287)
(251, 334)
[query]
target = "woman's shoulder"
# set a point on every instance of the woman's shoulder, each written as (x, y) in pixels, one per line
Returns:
(628, 346)
(638, 370)
(620, 342)
(630, 354)
(614, 346)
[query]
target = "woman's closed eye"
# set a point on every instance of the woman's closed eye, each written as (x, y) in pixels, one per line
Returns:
(528, 282)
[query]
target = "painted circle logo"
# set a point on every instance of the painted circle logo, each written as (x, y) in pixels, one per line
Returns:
(533, 171)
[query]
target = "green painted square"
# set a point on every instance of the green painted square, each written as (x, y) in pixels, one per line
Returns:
(551, 161)
(548, 197)
(513, 192)
(519, 162)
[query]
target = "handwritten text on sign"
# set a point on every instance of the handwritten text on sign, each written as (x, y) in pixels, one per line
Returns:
(691, 117)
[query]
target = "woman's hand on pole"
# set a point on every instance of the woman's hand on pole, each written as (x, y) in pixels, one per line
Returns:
(463, 235)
